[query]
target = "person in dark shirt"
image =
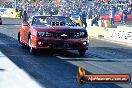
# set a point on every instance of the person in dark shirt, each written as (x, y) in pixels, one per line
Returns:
(20, 13)
(40, 11)
(24, 16)
(89, 14)
(95, 20)
(52, 12)
(111, 15)
(83, 16)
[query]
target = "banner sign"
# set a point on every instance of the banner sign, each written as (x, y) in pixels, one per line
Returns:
(82, 78)
(9, 12)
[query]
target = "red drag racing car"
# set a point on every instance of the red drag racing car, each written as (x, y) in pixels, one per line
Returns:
(52, 32)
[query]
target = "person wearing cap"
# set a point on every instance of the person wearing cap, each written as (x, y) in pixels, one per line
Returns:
(112, 15)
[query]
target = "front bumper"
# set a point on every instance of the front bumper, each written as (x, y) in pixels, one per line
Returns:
(60, 44)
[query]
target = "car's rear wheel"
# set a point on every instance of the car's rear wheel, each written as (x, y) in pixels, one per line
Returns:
(81, 52)
(31, 49)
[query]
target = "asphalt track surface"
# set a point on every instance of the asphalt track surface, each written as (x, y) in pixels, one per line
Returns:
(59, 70)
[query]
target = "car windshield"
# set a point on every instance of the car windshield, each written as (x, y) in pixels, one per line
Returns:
(48, 20)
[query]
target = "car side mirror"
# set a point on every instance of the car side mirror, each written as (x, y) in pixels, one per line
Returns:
(25, 24)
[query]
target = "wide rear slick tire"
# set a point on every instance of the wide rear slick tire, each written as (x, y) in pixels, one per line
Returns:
(31, 49)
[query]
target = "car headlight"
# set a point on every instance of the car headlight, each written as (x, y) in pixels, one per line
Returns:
(84, 43)
(41, 34)
(82, 33)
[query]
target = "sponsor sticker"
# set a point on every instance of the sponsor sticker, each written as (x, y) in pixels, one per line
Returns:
(83, 78)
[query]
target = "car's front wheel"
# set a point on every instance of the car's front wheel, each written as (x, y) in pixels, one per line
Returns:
(81, 52)
(20, 42)
(31, 49)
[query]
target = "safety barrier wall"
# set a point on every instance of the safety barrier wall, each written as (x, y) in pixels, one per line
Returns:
(122, 34)
(124, 27)
(9, 13)
(95, 31)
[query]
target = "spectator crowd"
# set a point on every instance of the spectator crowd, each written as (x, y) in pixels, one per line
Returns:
(83, 8)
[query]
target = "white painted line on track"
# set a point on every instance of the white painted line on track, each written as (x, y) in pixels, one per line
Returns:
(96, 65)
(118, 60)
(105, 69)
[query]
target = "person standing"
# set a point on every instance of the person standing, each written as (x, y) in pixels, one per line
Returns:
(52, 12)
(24, 16)
(40, 11)
(124, 16)
(59, 12)
(112, 15)
(83, 16)
(121, 15)
(20, 13)
(95, 20)
(89, 14)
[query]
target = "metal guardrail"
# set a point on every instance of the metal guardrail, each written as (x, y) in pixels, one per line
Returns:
(122, 34)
